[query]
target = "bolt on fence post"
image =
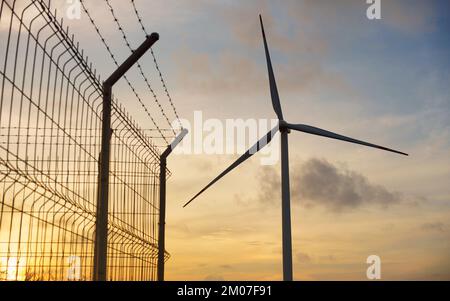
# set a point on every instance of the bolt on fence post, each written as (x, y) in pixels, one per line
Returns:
(162, 203)
(101, 224)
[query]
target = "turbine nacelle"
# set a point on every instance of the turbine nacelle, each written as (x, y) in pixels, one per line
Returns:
(284, 126)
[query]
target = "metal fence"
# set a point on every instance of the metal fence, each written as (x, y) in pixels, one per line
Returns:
(50, 136)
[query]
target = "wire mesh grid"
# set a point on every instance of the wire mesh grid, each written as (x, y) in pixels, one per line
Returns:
(50, 138)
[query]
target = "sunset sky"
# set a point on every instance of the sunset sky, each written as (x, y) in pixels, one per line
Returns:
(384, 81)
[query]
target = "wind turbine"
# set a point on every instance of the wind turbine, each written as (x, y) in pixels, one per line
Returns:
(284, 128)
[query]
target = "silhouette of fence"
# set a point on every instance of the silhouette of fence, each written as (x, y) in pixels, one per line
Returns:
(50, 138)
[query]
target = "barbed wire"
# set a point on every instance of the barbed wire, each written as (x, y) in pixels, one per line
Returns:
(113, 57)
(166, 90)
(139, 66)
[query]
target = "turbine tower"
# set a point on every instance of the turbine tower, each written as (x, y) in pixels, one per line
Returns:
(284, 128)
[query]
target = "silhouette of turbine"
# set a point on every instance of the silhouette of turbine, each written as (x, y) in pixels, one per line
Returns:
(284, 128)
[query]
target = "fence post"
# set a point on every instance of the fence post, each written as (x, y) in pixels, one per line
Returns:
(162, 203)
(101, 224)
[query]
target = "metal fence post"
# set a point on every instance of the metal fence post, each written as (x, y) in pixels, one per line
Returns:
(162, 203)
(101, 225)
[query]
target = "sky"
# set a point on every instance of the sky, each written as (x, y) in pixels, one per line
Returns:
(385, 81)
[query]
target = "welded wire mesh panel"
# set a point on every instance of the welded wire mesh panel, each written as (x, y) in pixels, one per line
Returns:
(133, 212)
(50, 141)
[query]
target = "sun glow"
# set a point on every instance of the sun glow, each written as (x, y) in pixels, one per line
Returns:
(12, 269)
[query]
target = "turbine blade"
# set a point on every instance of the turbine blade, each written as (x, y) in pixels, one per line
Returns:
(320, 132)
(253, 150)
(273, 85)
